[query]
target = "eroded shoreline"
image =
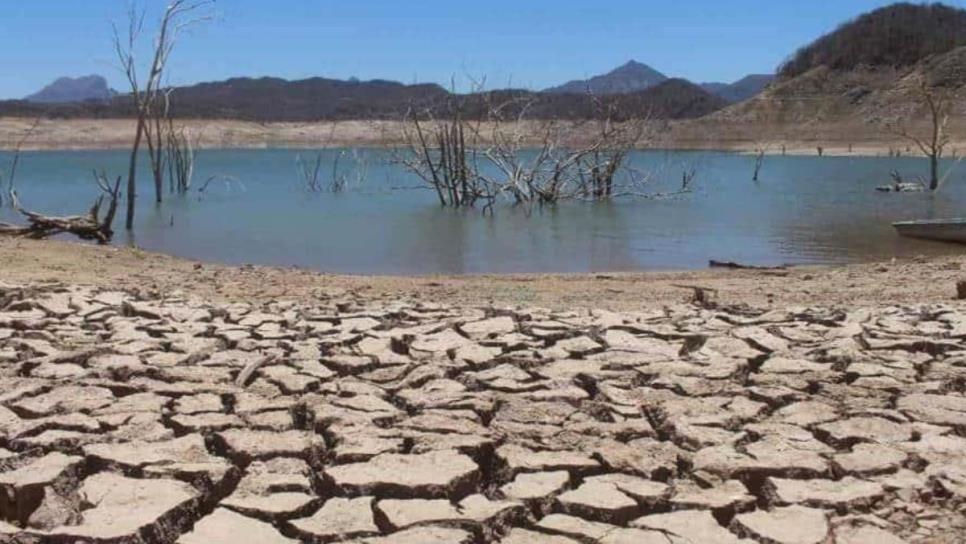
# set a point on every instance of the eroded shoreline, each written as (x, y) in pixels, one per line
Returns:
(907, 281)
(848, 138)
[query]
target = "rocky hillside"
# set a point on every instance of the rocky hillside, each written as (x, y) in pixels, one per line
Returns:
(67, 89)
(857, 74)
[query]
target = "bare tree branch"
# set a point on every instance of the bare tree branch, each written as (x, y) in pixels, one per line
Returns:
(15, 162)
(151, 98)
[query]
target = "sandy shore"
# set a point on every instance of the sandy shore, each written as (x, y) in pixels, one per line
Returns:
(842, 139)
(907, 281)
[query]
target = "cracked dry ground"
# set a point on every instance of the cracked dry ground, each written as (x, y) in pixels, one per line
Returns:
(132, 419)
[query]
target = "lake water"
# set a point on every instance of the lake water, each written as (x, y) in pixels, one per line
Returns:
(803, 210)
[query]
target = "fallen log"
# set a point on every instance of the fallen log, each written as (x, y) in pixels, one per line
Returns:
(85, 227)
(739, 266)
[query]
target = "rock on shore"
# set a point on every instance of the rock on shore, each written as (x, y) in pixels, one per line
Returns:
(131, 419)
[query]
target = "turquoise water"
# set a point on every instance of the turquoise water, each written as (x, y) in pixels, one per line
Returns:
(803, 210)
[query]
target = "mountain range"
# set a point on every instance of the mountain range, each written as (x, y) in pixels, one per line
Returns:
(315, 99)
(634, 85)
(867, 68)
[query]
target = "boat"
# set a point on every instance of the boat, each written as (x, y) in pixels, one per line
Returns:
(943, 230)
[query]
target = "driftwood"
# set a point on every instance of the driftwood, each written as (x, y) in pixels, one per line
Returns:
(738, 266)
(705, 297)
(247, 373)
(85, 227)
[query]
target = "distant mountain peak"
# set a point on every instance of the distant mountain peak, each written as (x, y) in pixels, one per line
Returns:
(630, 77)
(741, 90)
(71, 89)
(631, 65)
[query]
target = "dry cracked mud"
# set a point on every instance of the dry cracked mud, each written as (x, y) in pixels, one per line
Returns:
(131, 419)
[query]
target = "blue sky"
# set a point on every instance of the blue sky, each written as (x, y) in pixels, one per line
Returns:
(531, 43)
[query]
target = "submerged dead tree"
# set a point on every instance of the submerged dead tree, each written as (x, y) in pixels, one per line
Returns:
(760, 151)
(340, 177)
(932, 145)
(443, 152)
(601, 165)
(310, 172)
(149, 95)
(546, 161)
(349, 167)
(15, 162)
(498, 149)
(179, 156)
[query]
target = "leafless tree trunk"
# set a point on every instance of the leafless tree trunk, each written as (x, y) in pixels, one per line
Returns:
(179, 158)
(443, 153)
(156, 139)
(310, 172)
(760, 151)
(15, 162)
(933, 145)
(149, 96)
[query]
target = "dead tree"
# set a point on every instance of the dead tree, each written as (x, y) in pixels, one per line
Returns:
(548, 161)
(760, 151)
(356, 174)
(91, 226)
(443, 153)
(309, 172)
(933, 145)
(687, 177)
(149, 95)
(535, 160)
(15, 162)
(605, 160)
(498, 150)
(179, 158)
(599, 164)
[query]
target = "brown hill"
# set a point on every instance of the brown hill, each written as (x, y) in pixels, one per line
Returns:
(842, 85)
(823, 94)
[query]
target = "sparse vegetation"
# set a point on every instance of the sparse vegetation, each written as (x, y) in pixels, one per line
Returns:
(932, 145)
(894, 36)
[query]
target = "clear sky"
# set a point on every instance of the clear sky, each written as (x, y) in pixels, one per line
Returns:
(531, 43)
